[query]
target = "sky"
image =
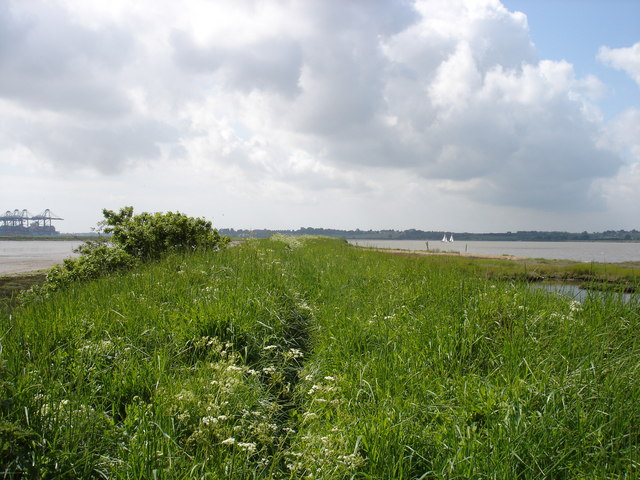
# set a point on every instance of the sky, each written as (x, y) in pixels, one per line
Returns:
(456, 115)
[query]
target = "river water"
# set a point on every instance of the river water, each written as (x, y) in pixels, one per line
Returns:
(580, 294)
(607, 252)
(20, 256)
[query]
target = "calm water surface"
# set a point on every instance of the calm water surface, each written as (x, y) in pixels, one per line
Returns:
(611, 252)
(580, 294)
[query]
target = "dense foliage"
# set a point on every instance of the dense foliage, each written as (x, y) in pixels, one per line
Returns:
(149, 235)
(307, 358)
(134, 239)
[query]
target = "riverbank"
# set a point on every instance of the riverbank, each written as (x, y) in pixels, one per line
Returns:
(601, 252)
(399, 251)
(26, 266)
(11, 285)
(622, 277)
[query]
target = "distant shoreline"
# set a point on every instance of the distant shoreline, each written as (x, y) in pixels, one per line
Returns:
(421, 235)
(56, 238)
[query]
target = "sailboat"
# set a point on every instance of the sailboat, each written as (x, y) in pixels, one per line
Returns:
(444, 238)
(451, 238)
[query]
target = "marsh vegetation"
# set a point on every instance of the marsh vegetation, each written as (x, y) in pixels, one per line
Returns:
(309, 358)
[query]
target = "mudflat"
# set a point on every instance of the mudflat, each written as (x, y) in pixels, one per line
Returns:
(18, 257)
(10, 266)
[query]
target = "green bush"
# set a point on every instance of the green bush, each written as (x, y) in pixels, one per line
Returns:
(148, 236)
(96, 259)
(134, 239)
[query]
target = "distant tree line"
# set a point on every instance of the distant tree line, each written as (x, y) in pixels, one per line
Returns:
(413, 234)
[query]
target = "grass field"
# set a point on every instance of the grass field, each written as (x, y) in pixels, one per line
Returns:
(308, 358)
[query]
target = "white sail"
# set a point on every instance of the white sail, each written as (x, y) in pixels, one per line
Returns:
(451, 238)
(444, 237)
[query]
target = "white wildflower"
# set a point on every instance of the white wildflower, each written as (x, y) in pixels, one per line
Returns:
(249, 447)
(209, 420)
(183, 417)
(296, 353)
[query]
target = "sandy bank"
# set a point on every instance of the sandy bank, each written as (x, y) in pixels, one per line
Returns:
(17, 257)
(447, 254)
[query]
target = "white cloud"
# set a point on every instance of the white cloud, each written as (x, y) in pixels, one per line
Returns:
(626, 59)
(305, 100)
(623, 136)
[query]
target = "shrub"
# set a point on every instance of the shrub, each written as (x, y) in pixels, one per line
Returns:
(148, 236)
(96, 259)
(135, 239)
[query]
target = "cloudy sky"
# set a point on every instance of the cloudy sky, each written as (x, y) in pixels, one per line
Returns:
(458, 115)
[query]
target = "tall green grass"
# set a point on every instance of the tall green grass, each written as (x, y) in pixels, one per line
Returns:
(308, 358)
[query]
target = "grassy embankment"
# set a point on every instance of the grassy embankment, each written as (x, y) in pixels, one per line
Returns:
(309, 358)
(11, 286)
